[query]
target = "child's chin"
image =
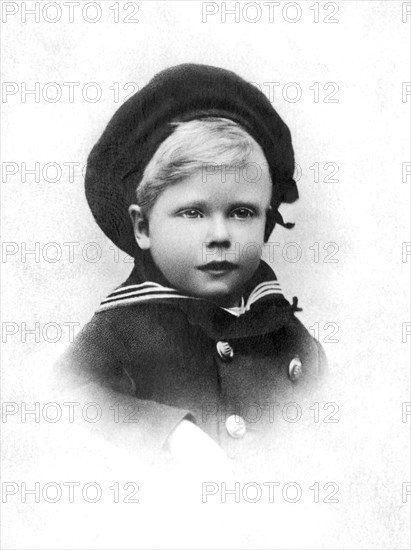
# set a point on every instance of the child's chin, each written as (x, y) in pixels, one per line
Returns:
(222, 299)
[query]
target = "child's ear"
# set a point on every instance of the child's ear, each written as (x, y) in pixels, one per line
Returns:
(140, 226)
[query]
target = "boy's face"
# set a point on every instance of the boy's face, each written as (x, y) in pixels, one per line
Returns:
(209, 217)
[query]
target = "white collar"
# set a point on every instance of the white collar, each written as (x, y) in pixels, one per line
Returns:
(150, 291)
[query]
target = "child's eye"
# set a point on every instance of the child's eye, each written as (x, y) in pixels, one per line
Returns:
(191, 213)
(243, 213)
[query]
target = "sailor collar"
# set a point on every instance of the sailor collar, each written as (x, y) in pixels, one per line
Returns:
(263, 284)
(263, 307)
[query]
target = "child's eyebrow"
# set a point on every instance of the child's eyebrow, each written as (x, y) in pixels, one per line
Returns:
(190, 204)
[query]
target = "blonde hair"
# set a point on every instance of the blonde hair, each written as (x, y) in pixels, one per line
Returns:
(192, 147)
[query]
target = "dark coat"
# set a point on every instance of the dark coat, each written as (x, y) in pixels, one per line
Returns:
(168, 355)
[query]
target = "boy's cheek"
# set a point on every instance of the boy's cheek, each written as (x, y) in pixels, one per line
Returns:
(253, 234)
(165, 236)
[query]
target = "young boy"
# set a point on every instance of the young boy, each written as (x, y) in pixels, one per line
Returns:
(187, 178)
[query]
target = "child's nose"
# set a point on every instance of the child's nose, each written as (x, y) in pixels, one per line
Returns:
(218, 231)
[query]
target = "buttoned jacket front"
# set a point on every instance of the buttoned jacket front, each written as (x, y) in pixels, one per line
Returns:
(177, 357)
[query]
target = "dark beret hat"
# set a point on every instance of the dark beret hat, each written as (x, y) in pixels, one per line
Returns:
(116, 163)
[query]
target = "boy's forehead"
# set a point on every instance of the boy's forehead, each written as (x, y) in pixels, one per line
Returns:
(249, 178)
(247, 182)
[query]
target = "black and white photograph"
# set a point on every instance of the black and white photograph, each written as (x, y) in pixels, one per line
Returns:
(205, 261)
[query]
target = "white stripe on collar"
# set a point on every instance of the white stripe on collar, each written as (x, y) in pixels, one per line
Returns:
(148, 291)
(236, 310)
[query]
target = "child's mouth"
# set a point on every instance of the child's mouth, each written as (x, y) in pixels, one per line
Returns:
(218, 268)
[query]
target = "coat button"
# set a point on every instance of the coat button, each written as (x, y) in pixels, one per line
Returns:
(295, 369)
(225, 351)
(235, 426)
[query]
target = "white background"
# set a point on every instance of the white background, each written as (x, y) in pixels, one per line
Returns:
(365, 132)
